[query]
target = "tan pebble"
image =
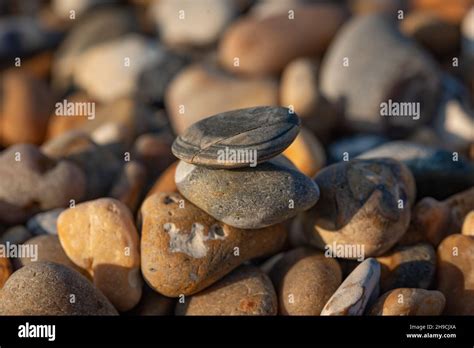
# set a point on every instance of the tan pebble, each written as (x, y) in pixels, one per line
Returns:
(200, 91)
(409, 301)
(32, 182)
(468, 224)
(245, 291)
(455, 275)
(48, 248)
(100, 237)
(59, 124)
(306, 153)
(184, 250)
(305, 280)
(430, 221)
(266, 45)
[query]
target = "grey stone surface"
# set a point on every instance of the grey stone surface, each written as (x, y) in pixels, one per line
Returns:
(248, 198)
(254, 133)
(352, 297)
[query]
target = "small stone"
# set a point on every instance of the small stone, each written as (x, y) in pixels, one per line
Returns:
(451, 11)
(154, 151)
(408, 267)
(26, 105)
(16, 235)
(245, 291)
(299, 91)
(460, 205)
(409, 302)
(111, 70)
(44, 223)
(363, 203)
(48, 249)
(22, 35)
(468, 225)
(130, 184)
(99, 163)
(438, 173)
(355, 292)
(270, 193)
(306, 153)
(32, 182)
(100, 237)
(266, 45)
(304, 281)
(191, 23)
(5, 270)
(187, 102)
(455, 276)
(46, 288)
(153, 304)
(98, 26)
(347, 148)
(184, 250)
(238, 138)
(344, 70)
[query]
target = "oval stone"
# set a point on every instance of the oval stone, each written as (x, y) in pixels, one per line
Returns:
(271, 193)
(364, 203)
(45, 288)
(245, 291)
(352, 297)
(408, 267)
(406, 301)
(184, 250)
(305, 280)
(249, 136)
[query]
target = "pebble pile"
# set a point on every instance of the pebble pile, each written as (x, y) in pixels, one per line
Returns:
(237, 157)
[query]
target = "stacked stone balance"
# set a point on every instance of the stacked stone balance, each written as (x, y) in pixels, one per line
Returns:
(235, 193)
